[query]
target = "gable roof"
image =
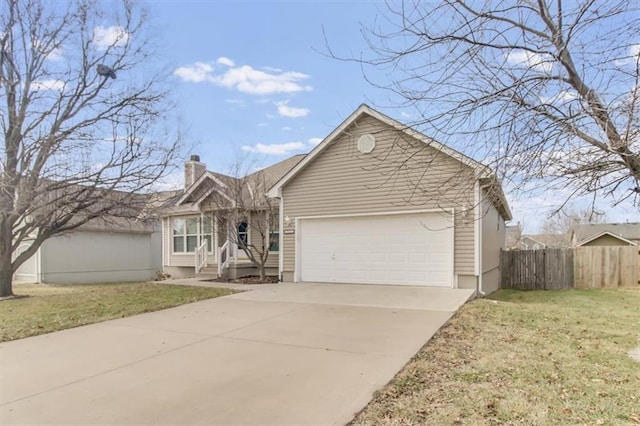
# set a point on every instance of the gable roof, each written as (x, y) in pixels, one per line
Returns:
(218, 182)
(217, 178)
(482, 171)
(629, 231)
(611, 234)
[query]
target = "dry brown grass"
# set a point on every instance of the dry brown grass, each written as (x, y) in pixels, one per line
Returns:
(523, 358)
(50, 308)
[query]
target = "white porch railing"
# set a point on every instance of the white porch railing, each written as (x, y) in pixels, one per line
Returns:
(202, 256)
(223, 257)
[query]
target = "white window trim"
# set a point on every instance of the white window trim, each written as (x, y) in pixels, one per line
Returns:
(268, 242)
(189, 253)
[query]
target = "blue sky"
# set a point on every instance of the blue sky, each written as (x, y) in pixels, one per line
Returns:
(249, 74)
(250, 78)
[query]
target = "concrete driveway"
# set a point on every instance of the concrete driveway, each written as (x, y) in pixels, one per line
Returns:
(293, 353)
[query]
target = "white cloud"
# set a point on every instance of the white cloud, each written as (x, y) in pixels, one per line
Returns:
(222, 60)
(56, 55)
(195, 73)
(245, 78)
(48, 85)
(105, 37)
(562, 96)
(293, 112)
(274, 149)
(287, 128)
(263, 124)
(535, 61)
(234, 101)
(272, 69)
(314, 141)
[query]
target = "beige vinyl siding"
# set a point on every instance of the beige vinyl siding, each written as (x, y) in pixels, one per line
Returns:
(493, 240)
(258, 241)
(606, 240)
(401, 174)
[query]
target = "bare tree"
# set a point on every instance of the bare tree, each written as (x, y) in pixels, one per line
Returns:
(544, 91)
(83, 103)
(249, 215)
(562, 222)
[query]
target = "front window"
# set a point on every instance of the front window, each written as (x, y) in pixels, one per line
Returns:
(190, 232)
(243, 234)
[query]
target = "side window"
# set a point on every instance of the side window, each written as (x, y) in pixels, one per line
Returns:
(274, 237)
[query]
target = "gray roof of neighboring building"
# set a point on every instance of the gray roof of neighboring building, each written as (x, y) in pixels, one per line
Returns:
(630, 231)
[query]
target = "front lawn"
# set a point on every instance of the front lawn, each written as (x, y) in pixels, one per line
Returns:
(50, 308)
(526, 358)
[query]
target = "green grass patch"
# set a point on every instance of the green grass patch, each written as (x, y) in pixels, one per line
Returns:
(523, 358)
(46, 308)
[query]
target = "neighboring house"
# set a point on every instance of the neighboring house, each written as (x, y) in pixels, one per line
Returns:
(517, 241)
(542, 241)
(606, 234)
(374, 203)
(103, 250)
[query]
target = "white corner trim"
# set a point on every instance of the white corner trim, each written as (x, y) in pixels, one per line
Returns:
(296, 265)
(281, 239)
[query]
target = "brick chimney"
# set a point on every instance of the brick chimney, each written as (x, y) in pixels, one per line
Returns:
(193, 169)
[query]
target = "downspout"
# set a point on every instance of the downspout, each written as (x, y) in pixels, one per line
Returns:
(281, 238)
(478, 229)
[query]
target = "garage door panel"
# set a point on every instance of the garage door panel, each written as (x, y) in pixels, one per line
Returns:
(412, 249)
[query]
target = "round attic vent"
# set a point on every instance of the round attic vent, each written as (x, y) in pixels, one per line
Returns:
(366, 143)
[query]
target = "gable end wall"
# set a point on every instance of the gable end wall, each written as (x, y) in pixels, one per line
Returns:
(401, 174)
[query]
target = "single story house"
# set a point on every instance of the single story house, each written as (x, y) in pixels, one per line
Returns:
(375, 202)
(605, 234)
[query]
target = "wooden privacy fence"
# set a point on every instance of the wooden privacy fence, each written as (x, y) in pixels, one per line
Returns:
(581, 267)
(537, 269)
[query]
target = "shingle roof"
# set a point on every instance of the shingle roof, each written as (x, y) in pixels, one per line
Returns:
(630, 231)
(270, 175)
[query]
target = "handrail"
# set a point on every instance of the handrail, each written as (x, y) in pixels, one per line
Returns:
(202, 256)
(223, 258)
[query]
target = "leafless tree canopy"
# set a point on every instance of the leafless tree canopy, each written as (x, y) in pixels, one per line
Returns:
(77, 142)
(249, 215)
(563, 222)
(544, 91)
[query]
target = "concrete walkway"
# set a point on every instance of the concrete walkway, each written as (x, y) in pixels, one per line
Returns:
(283, 354)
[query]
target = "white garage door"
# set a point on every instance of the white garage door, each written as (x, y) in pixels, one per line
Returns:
(409, 249)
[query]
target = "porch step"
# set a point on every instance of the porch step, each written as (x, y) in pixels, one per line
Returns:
(208, 273)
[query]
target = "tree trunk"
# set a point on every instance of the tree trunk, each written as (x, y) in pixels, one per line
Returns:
(263, 275)
(6, 271)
